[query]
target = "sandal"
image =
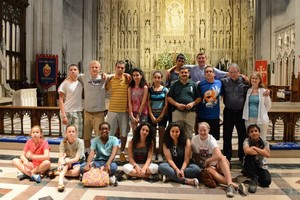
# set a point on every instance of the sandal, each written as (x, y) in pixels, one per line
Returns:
(61, 188)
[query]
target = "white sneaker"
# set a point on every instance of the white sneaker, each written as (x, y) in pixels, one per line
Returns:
(113, 181)
(160, 158)
(153, 158)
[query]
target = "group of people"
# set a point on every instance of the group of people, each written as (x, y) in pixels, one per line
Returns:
(189, 104)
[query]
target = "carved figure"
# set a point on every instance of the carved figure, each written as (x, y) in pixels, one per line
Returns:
(221, 22)
(214, 17)
(202, 28)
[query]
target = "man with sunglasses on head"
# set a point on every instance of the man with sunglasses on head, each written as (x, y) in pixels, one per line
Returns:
(117, 115)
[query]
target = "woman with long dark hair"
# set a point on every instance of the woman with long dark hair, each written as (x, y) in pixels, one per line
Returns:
(177, 151)
(140, 151)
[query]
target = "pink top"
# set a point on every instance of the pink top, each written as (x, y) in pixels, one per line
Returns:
(137, 94)
(36, 149)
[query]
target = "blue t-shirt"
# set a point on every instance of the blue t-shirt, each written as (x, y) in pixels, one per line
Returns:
(103, 151)
(209, 107)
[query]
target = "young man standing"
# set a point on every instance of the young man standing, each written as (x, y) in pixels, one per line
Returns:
(70, 100)
(117, 115)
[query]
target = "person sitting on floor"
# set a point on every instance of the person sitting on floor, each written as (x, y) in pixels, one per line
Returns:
(105, 147)
(71, 154)
(256, 151)
(177, 151)
(140, 151)
(35, 157)
(208, 155)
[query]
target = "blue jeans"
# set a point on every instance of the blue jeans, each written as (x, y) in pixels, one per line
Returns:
(100, 163)
(192, 171)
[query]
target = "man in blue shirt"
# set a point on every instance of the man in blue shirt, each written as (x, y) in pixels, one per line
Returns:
(209, 108)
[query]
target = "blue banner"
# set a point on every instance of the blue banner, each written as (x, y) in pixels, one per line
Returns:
(46, 68)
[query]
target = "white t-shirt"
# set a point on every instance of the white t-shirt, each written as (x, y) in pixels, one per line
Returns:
(73, 95)
(203, 149)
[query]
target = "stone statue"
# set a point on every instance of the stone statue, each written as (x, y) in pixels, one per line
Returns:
(202, 28)
(286, 39)
(2, 63)
(122, 40)
(228, 18)
(4, 86)
(135, 36)
(215, 39)
(221, 22)
(228, 40)
(135, 18)
(214, 17)
(221, 36)
(293, 37)
(122, 18)
(279, 41)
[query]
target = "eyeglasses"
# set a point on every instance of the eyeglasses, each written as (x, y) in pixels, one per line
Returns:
(104, 128)
(174, 150)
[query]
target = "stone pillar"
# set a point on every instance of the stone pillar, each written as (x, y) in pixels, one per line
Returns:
(297, 42)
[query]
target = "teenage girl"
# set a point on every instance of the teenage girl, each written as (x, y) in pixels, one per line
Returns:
(158, 108)
(137, 98)
(71, 153)
(35, 157)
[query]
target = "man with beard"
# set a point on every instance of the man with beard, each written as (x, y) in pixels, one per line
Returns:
(105, 148)
(183, 96)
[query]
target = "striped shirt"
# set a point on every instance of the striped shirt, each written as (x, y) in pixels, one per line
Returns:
(157, 100)
(118, 98)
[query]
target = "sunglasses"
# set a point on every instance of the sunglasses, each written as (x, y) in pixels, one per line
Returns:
(174, 150)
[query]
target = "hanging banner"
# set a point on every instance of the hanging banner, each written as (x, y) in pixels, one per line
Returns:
(262, 67)
(46, 70)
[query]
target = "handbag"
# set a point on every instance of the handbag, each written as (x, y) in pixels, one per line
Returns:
(95, 177)
(207, 179)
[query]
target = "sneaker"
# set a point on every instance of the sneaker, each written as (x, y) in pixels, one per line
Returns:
(125, 176)
(122, 157)
(242, 189)
(113, 181)
(21, 176)
(252, 185)
(230, 191)
(160, 158)
(153, 158)
(36, 178)
(163, 178)
(154, 177)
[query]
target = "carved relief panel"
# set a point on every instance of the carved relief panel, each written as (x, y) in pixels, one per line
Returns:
(142, 30)
(285, 54)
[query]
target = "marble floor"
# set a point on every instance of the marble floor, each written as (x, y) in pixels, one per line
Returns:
(285, 174)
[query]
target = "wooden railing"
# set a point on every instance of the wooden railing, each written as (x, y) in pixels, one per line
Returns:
(17, 120)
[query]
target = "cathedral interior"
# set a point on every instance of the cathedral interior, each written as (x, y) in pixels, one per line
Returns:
(257, 35)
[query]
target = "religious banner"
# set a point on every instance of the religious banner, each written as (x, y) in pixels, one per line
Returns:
(262, 67)
(46, 70)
